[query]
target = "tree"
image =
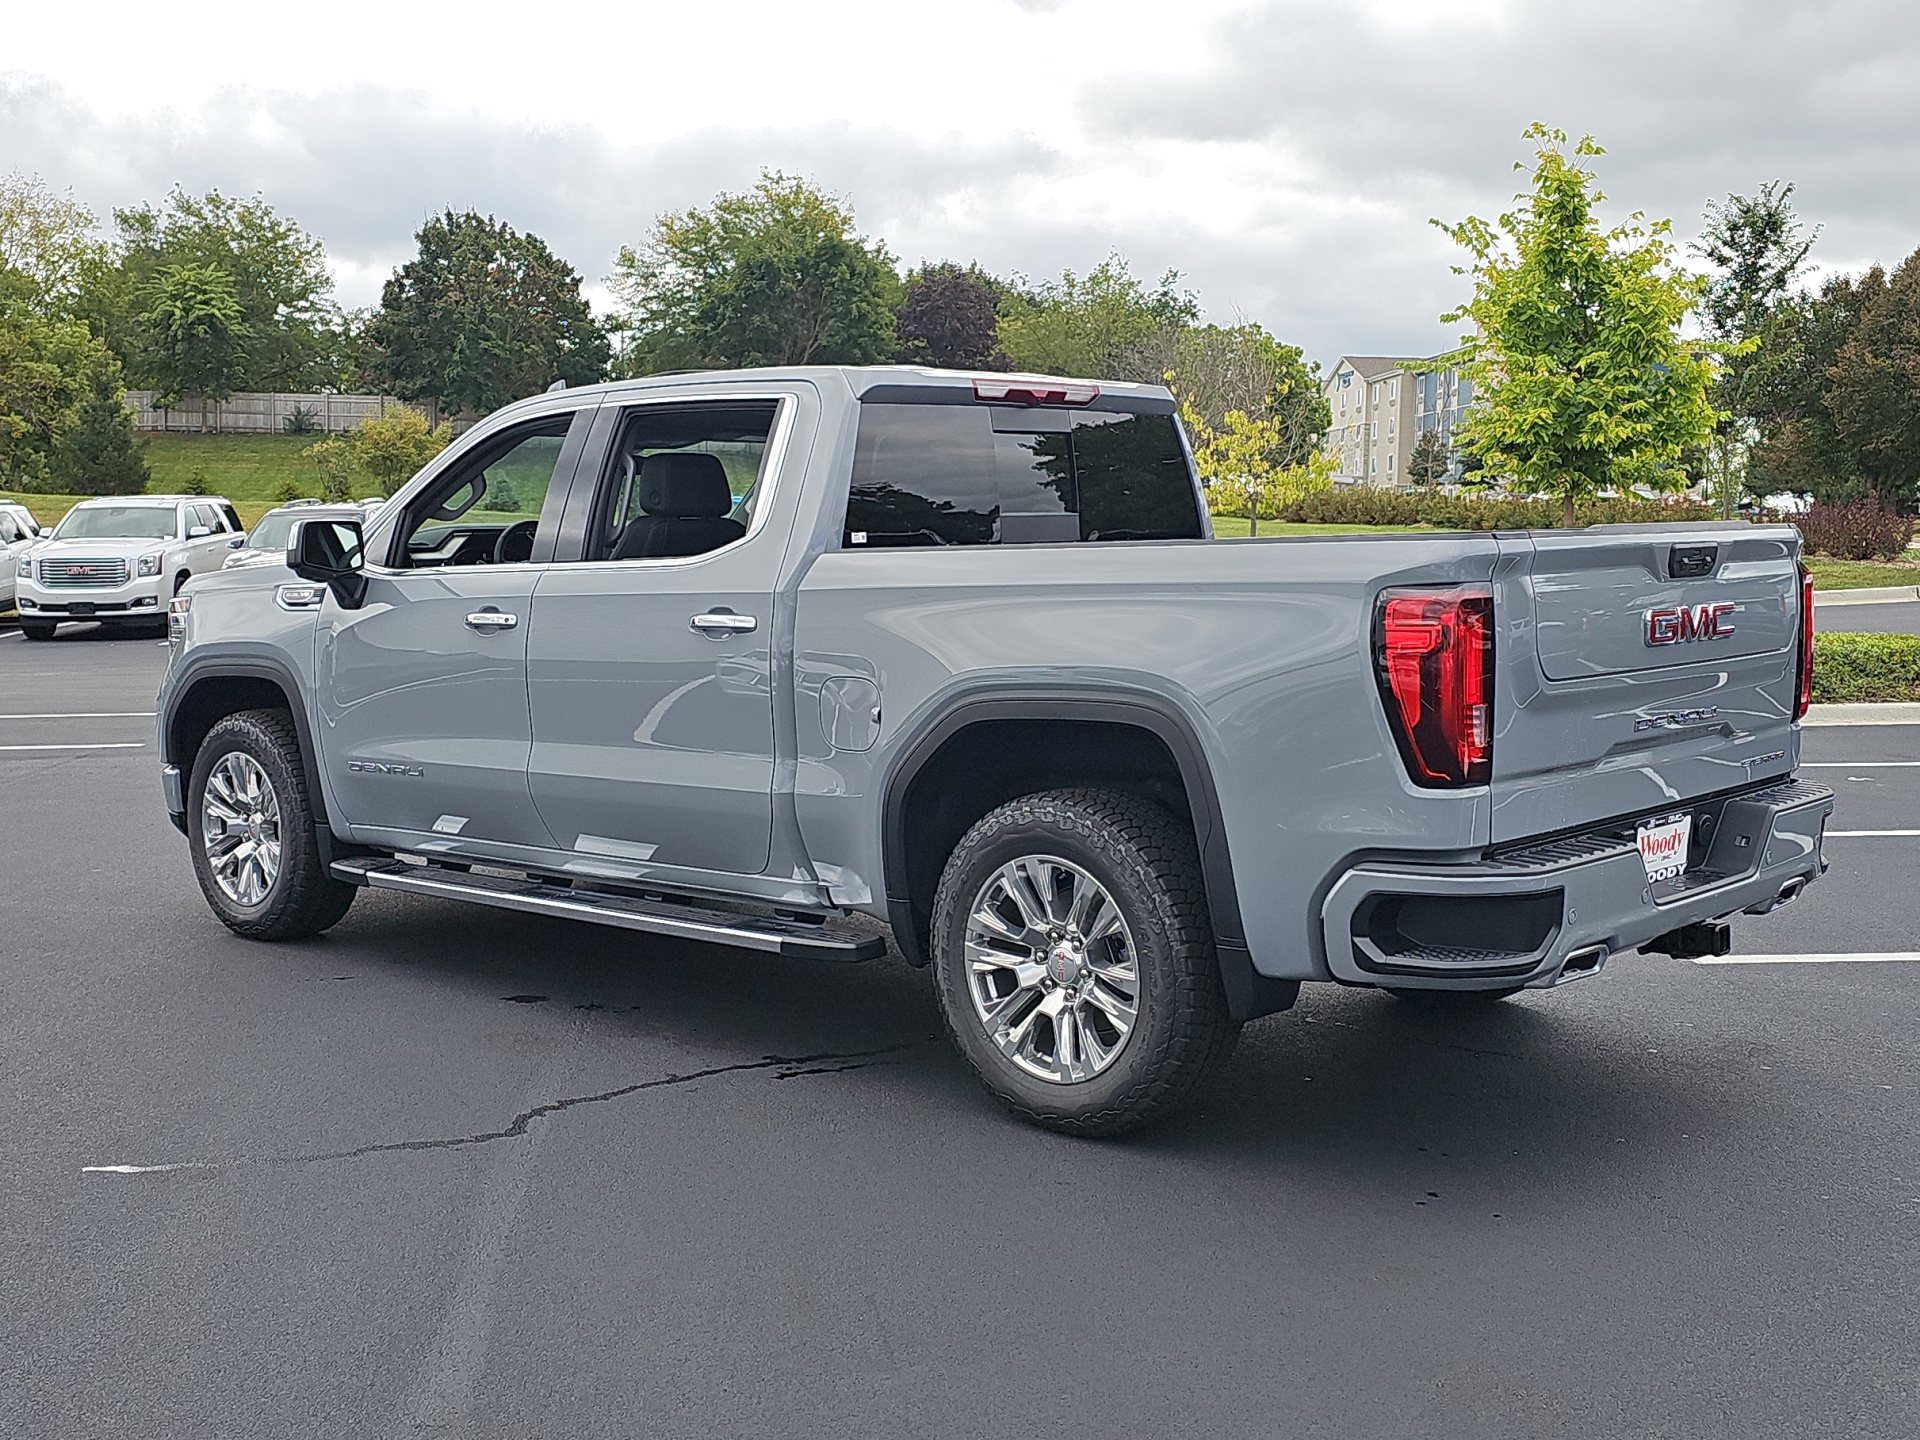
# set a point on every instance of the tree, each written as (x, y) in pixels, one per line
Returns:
(46, 366)
(1758, 247)
(98, 454)
(390, 448)
(1105, 324)
(1430, 461)
(48, 240)
(950, 318)
(484, 315)
(1216, 370)
(334, 459)
(1580, 377)
(195, 333)
(1799, 446)
(774, 276)
(295, 336)
(1238, 459)
(1873, 387)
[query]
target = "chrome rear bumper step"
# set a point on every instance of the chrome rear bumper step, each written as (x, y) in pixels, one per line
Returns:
(794, 939)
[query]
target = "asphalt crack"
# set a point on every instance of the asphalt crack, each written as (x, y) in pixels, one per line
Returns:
(789, 1067)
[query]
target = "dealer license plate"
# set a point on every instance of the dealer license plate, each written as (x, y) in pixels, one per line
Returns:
(80, 607)
(1663, 846)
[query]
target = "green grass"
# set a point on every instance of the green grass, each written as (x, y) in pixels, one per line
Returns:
(1860, 574)
(1849, 668)
(240, 467)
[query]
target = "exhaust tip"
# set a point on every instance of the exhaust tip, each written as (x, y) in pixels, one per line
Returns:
(1582, 963)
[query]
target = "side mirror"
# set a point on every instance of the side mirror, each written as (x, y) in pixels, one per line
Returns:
(238, 542)
(199, 532)
(329, 552)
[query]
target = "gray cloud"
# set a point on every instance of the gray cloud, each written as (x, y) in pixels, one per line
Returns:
(1362, 127)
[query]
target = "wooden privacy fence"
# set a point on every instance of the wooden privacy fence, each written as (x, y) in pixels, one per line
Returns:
(257, 413)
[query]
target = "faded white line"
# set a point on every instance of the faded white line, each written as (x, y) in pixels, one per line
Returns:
(117, 745)
(1860, 765)
(1865, 957)
(87, 715)
(1868, 834)
(142, 1169)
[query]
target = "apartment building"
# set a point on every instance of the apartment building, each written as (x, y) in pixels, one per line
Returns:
(1379, 406)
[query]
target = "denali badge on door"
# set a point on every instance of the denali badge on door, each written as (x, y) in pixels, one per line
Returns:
(1690, 622)
(1663, 846)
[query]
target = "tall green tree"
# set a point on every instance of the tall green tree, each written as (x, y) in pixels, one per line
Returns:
(1104, 324)
(950, 318)
(195, 333)
(294, 331)
(46, 366)
(98, 453)
(484, 315)
(1799, 447)
(777, 275)
(1216, 370)
(48, 240)
(1581, 379)
(1873, 387)
(1757, 247)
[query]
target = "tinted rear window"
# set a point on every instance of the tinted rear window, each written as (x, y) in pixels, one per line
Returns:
(981, 475)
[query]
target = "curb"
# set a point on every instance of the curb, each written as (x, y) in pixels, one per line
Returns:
(1895, 712)
(1872, 595)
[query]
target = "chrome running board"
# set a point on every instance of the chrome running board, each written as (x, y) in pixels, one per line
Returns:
(794, 939)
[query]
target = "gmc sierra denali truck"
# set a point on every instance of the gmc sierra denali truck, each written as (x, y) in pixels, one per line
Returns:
(735, 656)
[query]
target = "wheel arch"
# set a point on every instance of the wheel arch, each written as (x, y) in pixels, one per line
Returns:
(989, 746)
(213, 690)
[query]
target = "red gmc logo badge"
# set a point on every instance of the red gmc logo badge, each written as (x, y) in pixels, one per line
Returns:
(1689, 622)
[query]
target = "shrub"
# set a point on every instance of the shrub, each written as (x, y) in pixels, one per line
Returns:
(1478, 512)
(1850, 667)
(1855, 532)
(197, 482)
(335, 459)
(303, 421)
(286, 492)
(389, 448)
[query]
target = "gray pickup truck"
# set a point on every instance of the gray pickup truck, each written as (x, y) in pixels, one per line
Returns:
(746, 656)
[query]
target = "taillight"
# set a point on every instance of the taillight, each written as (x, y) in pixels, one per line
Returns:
(1805, 696)
(1434, 650)
(1034, 390)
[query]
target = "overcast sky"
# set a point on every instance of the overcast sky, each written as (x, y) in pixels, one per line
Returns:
(1286, 156)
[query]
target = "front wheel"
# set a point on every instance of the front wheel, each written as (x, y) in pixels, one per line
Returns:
(256, 851)
(36, 630)
(1075, 961)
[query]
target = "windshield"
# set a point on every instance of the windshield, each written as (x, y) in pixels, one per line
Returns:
(272, 532)
(118, 522)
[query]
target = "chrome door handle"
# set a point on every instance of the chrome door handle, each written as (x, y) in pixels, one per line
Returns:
(491, 620)
(719, 624)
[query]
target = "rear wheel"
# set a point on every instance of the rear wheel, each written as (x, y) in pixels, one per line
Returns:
(250, 823)
(37, 629)
(1075, 961)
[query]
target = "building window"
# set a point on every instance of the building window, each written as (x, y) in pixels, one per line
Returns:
(1393, 388)
(1389, 462)
(1392, 423)
(1376, 392)
(1373, 466)
(1373, 430)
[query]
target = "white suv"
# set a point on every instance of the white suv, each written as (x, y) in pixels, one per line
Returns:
(121, 558)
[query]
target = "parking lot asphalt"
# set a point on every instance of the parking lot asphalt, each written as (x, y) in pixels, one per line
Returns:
(448, 1171)
(1885, 617)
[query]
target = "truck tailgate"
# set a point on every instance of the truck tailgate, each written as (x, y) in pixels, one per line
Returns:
(1640, 668)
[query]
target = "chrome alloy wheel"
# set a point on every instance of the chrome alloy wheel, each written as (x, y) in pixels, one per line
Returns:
(1052, 969)
(240, 828)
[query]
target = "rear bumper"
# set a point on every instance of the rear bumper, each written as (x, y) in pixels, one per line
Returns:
(1516, 917)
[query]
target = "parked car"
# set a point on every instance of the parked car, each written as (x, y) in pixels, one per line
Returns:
(18, 531)
(266, 543)
(119, 559)
(741, 657)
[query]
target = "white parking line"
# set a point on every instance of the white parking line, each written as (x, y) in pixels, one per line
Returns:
(88, 715)
(1865, 957)
(1868, 834)
(131, 745)
(1819, 764)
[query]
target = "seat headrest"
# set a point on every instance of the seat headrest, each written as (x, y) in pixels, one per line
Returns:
(685, 487)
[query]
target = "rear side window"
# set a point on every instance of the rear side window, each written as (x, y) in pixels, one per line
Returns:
(983, 475)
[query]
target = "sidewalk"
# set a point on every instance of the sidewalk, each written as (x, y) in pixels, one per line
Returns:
(1884, 713)
(1872, 595)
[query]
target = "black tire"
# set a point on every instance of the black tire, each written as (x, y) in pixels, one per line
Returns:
(1182, 1034)
(303, 899)
(37, 630)
(181, 579)
(1454, 999)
